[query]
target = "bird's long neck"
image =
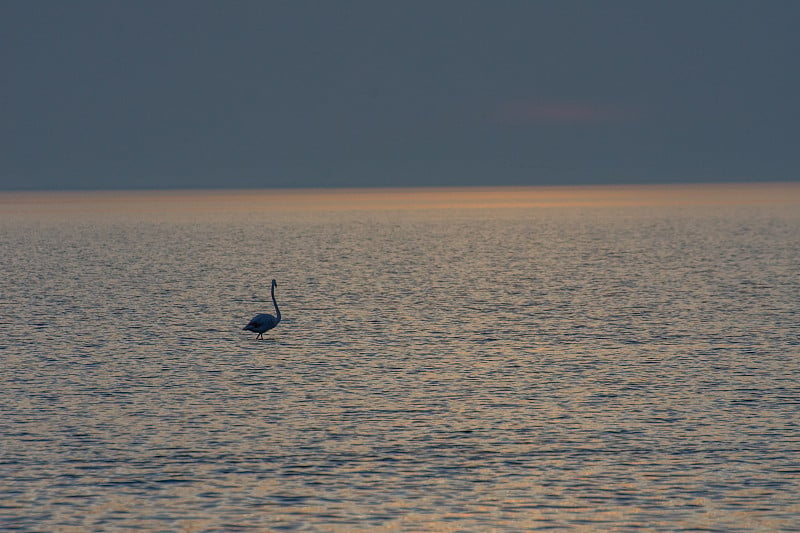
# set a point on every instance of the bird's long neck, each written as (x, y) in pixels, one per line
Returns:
(275, 303)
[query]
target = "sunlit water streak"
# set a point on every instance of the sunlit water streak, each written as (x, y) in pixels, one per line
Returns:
(447, 365)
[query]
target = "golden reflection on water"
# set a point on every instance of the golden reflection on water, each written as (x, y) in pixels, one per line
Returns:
(401, 198)
(433, 374)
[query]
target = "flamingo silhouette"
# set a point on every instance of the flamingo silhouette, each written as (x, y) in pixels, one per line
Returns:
(264, 321)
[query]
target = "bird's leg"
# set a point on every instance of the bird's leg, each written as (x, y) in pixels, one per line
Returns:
(260, 335)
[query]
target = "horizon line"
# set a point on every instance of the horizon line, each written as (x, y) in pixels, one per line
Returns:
(406, 198)
(334, 188)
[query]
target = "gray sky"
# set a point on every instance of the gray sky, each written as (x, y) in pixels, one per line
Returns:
(195, 93)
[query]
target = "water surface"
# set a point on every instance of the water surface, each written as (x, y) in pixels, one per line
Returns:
(510, 360)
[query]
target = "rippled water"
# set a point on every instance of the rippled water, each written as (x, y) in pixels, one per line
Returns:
(437, 369)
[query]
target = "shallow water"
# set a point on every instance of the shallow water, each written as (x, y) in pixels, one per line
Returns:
(477, 368)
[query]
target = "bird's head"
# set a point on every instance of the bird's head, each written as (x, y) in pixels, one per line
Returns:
(274, 283)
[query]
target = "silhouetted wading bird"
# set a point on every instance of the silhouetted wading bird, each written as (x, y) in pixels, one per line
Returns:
(265, 322)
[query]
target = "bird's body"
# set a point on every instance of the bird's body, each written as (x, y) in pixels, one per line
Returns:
(264, 321)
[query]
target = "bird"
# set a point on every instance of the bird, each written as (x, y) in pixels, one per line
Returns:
(264, 321)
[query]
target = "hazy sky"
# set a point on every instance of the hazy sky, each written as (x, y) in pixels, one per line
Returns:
(195, 93)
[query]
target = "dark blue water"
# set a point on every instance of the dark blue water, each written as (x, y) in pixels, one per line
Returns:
(593, 368)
